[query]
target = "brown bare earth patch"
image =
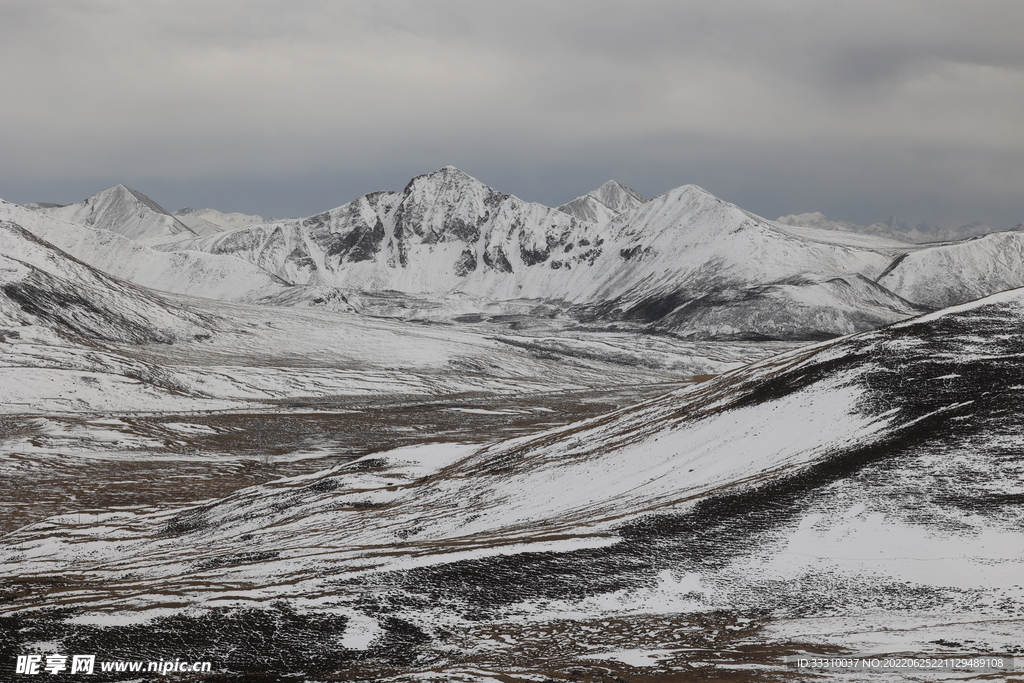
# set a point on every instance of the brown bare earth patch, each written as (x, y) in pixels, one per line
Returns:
(232, 450)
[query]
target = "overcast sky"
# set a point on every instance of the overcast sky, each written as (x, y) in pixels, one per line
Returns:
(857, 109)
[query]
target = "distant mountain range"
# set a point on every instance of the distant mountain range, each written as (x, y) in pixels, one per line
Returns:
(685, 262)
(665, 262)
(893, 228)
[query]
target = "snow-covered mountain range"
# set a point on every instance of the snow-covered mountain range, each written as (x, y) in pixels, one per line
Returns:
(685, 262)
(185, 272)
(660, 261)
(445, 231)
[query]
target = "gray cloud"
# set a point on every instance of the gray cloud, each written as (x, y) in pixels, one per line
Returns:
(859, 109)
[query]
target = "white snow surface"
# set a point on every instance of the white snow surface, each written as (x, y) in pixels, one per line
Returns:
(949, 274)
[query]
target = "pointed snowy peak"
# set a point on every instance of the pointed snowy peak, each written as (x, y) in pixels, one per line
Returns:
(618, 197)
(603, 204)
(124, 211)
(685, 217)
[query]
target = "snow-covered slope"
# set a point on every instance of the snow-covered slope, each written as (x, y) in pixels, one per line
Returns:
(687, 249)
(43, 286)
(804, 307)
(122, 210)
(186, 272)
(603, 204)
(212, 221)
(948, 274)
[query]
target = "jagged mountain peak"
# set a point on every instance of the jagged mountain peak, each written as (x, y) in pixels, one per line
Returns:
(445, 173)
(446, 179)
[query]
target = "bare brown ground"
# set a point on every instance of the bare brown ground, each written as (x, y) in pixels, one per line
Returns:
(84, 478)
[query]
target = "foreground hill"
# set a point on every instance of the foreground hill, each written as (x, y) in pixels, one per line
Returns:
(859, 495)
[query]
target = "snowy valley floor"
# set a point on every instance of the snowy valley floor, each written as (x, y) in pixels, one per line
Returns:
(308, 496)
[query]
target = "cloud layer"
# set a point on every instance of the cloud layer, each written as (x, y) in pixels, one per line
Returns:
(858, 109)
